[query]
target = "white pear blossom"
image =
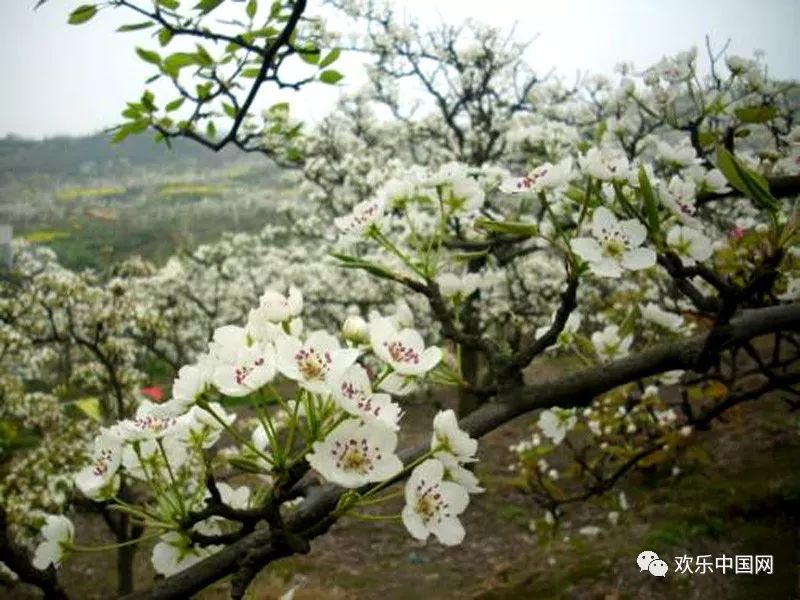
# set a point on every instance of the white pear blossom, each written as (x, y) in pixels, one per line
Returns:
(682, 155)
(57, 534)
(689, 244)
(399, 385)
(242, 365)
(277, 308)
(571, 327)
(199, 427)
(356, 330)
(543, 177)
(556, 423)
(192, 381)
(453, 471)
(452, 285)
(238, 498)
(151, 422)
(605, 164)
(356, 453)
(175, 552)
(317, 364)
(680, 196)
(668, 320)
(99, 480)
(364, 215)
(615, 245)
(404, 350)
(450, 438)
(609, 345)
(354, 394)
(433, 505)
(463, 194)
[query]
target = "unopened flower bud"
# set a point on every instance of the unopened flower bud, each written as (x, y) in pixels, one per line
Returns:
(356, 330)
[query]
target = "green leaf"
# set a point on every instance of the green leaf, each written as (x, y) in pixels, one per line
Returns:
(511, 227)
(748, 182)
(245, 464)
(351, 262)
(311, 56)
(148, 101)
(135, 26)
(206, 6)
(149, 56)
(91, 407)
(82, 14)
(229, 110)
(174, 105)
(173, 63)
(330, 76)
(170, 4)
(330, 58)
(756, 114)
(129, 129)
(252, 8)
(164, 36)
(203, 57)
(706, 138)
(211, 129)
(250, 73)
(650, 200)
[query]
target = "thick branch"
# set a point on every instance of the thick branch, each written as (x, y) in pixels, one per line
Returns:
(313, 516)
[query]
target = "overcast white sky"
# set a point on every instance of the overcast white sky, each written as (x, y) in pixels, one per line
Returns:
(61, 79)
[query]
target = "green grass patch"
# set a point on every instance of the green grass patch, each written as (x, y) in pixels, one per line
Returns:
(189, 191)
(89, 193)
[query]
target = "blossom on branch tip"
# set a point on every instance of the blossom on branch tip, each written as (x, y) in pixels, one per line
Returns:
(175, 552)
(609, 345)
(242, 365)
(315, 365)
(57, 534)
(363, 216)
(354, 394)
(655, 314)
(433, 505)
(99, 480)
(544, 177)
(449, 438)
(356, 453)
(403, 350)
(556, 423)
(689, 244)
(277, 308)
(615, 245)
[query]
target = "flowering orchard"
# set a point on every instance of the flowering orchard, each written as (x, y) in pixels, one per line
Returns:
(641, 233)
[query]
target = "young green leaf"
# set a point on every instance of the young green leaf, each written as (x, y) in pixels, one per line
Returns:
(650, 201)
(751, 184)
(756, 114)
(330, 58)
(149, 56)
(252, 8)
(206, 6)
(82, 14)
(164, 36)
(135, 26)
(330, 76)
(510, 227)
(173, 63)
(174, 105)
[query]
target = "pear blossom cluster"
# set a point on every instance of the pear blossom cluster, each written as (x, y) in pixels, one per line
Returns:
(346, 420)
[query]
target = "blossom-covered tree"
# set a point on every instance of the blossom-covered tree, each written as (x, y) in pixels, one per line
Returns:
(646, 229)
